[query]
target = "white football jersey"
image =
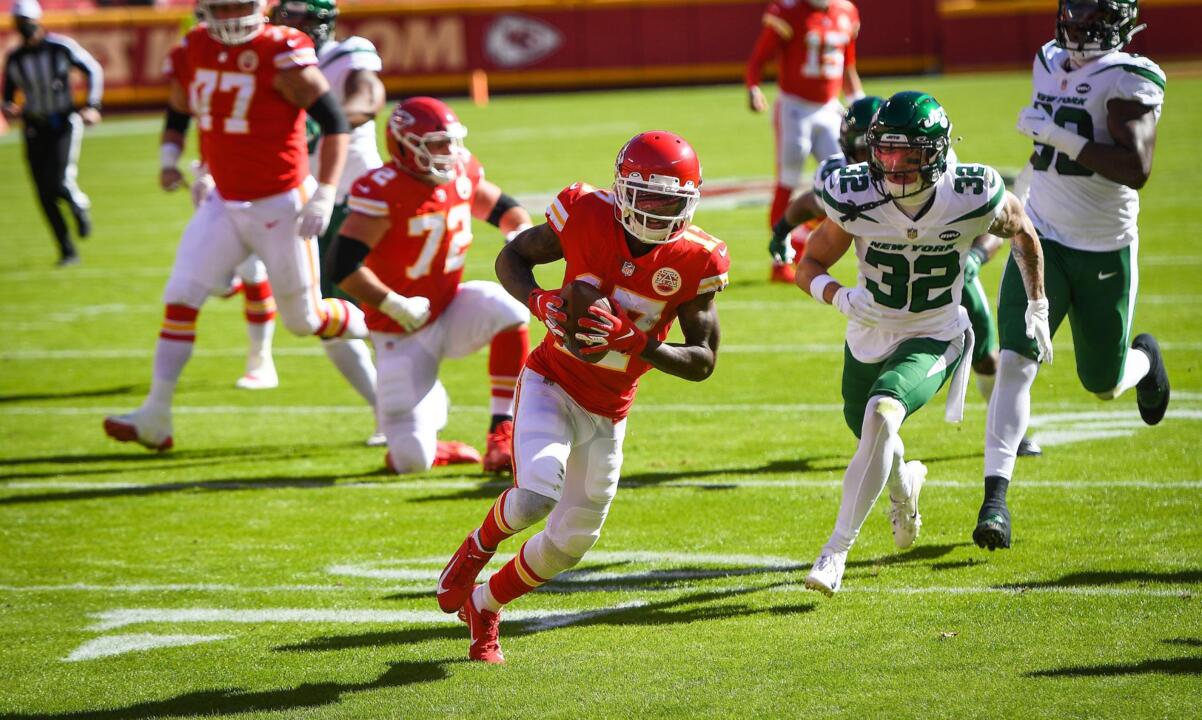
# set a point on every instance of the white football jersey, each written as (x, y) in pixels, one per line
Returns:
(1069, 203)
(913, 268)
(337, 60)
(826, 167)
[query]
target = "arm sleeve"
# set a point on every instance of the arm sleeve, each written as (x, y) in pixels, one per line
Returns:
(715, 276)
(365, 197)
(295, 50)
(83, 60)
(765, 48)
(10, 84)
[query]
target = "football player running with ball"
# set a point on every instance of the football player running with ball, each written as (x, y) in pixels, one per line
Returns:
(912, 218)
(249, 85)
(401, 252)
(636, 244)
(1093, 118)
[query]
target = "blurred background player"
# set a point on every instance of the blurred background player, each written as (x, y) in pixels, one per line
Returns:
(637, 243)
(912, 219)
(401, 252)
(248, 86)
(1093, 118)
(814, 42)
(40, 68)
(807, 209)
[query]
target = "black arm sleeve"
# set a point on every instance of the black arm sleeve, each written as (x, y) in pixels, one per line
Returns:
(504, 204)
(344, 257)
(10, 85)
(177, 121)
(329, 116)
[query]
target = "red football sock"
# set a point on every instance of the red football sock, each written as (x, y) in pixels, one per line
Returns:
(514, 580)
(494, 529)
(259, 302)
(780, 201)
(506, 355)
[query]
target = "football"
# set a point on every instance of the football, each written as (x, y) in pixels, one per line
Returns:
(578, 296)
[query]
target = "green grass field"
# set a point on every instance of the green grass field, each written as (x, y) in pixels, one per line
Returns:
(268, 567)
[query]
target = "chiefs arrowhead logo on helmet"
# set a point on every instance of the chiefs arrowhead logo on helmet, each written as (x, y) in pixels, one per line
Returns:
(425, 138)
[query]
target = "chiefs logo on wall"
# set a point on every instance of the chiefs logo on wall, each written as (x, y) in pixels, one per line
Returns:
(517, 40)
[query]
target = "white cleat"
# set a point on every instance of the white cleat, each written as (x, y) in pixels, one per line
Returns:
(150, 431)
(826, 576)
(904, 513)
(377, 439)
(262, 377)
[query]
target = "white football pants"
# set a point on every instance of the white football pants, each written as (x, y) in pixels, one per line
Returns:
(803, 127)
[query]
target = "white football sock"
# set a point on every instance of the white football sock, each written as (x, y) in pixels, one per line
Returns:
(880, 449)
(1135, 368)
(501, 406)
(352, 357)
(985, 385)
(258, 351)
(484, 600)
(170, 357)
(1009, 412)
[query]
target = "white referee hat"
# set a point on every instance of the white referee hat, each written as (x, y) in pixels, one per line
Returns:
(27, 9)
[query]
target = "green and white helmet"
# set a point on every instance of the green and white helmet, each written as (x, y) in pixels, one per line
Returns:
(1092, 28)
(908, 121)
(314, 18)
(854, 127)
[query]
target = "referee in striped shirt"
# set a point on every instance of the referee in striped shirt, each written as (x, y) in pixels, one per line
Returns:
(40, 68)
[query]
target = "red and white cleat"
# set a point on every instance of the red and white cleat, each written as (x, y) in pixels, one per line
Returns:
(782, 273)
(152, 432)
(498, 455)
(260, 375)
(453, 452)
(485, 627)
(232, 289)
(458, 578)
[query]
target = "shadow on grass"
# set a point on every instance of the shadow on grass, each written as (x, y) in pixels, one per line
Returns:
(71, 394)
(235, 701)
(677, 611)
(918, 554)
(1114, 577)
(1168, 666)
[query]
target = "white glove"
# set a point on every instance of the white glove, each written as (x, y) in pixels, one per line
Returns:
(202, 185)
(409, 312)
(857, 304)
(1038, 328)
(315, 215)
(1035, 124)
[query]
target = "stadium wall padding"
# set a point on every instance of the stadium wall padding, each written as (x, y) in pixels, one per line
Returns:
(434, 46)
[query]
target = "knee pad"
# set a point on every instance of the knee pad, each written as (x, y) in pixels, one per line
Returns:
(185, 291)
(524, 507)
(411, 452)
(576, 530)
(297, 314)
(544, 471)
(1109, 394)
(252, 270)
(888, 409)
(545, 559)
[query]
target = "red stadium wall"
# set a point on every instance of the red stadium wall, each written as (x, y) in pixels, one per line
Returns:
(435, 45)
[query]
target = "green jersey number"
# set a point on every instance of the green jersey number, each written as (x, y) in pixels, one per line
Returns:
(853, 179)
(969, 178)
(1064, 116)
(932, 276)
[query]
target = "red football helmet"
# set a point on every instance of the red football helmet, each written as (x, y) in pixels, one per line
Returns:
(426, 138)
(657, 183)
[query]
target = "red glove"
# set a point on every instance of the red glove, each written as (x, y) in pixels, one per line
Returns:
(547, 306)
(611, 332)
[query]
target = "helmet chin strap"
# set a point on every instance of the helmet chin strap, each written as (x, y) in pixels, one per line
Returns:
(1078, 59)
(913, 201)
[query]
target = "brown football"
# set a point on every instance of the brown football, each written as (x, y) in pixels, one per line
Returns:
(578, 296)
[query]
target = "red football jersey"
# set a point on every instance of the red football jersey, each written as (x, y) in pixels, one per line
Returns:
(426, 245)
(251, 137)
(812, 46)
(649, 288)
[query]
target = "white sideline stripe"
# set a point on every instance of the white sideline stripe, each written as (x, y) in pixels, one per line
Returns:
(120, 644)
(124, 617)
(1088, 590)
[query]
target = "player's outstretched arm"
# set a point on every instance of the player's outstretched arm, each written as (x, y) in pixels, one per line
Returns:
(504, 212)
(824, 247)
(1013, 223)
(363, 98)
(695, 358)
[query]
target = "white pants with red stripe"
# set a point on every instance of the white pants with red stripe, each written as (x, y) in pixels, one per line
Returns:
(224, 233)
(565, 452)
(410, 401)
(803, 127)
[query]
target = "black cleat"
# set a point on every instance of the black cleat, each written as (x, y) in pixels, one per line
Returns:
(1152, 393)
(993, 526)
(83, 222)
(1029, 448)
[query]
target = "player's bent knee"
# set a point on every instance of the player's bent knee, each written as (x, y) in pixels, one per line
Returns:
(409, 454)
(185, 291)
(576, 530)
(299, 322)
(1110, 394)
(546, 559)
(525, 507)
(542, 471)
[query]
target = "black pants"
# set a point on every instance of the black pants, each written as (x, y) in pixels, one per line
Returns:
(50, 146)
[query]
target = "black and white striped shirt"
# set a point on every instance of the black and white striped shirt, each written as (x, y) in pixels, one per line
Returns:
(42, 72)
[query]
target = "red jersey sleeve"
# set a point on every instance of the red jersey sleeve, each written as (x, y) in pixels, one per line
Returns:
(293, 50)
(713, 275)
(562, 214)
(175, 61)
(368, 195)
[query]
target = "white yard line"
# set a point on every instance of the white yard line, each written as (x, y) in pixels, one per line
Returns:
(111, 645)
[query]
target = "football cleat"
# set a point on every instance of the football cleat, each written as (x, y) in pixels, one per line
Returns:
(150, 431)
(485, 627)
(232, 289)
(453, 452)
(1029, 448)
(993, 526)
(1152, 393)
(498, 455)
(458, 578)
(827, 573)
(68, 260)
(262, 377)
(376, 439)
(782, 273)
(904, 513)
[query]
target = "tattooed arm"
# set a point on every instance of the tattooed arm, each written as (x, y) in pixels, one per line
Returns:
(1013, 223)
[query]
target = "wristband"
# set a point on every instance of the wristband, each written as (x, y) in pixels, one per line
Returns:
(392, 304)
(979, 254)
(818, 287)
(169, 154)
(1067, 142)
